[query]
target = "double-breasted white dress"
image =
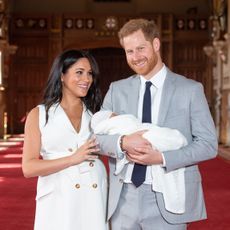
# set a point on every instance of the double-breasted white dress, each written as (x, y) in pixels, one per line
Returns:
(73, 198)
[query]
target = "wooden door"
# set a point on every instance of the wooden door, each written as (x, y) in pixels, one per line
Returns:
(28, 75)
(112, 64)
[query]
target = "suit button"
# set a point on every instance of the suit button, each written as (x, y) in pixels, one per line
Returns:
(91, 164)
(94, 185)
(121, 180)
(77, 186)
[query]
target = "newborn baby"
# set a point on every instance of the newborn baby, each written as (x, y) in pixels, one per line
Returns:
(161, 138)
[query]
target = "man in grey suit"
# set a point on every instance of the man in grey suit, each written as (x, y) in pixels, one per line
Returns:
(169, 100)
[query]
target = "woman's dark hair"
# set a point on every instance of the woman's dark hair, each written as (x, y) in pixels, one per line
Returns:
(53, 90)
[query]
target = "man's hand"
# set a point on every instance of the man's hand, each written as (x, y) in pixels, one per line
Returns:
(145, 156)
(134, 140)
(139, 150)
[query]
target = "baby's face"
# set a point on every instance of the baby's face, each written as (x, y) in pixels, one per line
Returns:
(113, 115)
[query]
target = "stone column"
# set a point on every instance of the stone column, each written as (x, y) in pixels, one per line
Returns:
(217, 84)
(219, 51)
(6, 51)
(2, 109)
(226, 80)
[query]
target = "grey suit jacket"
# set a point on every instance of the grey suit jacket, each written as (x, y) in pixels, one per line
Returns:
(183, 107)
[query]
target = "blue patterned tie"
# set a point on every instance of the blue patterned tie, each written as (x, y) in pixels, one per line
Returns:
(139, 171)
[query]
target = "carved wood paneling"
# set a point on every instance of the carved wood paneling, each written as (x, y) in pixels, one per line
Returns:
(29, 72)
(189, 59)
(112, 67)
(41, 37)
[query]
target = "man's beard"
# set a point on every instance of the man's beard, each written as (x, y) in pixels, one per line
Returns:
(149, 65)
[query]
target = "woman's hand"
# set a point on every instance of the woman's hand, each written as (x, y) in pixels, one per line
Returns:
(85, 152)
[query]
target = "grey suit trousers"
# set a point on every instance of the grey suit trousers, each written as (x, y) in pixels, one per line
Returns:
(138, 210)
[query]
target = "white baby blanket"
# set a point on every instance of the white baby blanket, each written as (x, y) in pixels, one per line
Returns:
(170, 184)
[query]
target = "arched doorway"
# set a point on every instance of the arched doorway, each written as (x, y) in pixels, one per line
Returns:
(112, 64)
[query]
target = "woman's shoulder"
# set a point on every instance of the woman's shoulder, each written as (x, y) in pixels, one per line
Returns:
(33, 116)
(33, 112)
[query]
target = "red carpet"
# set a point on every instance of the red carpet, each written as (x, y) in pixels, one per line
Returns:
(17, 194)
(216, 183)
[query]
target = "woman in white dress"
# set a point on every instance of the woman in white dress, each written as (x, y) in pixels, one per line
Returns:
(72, 183)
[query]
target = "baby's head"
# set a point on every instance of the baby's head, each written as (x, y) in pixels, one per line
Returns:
(101, 116)
(113, 115)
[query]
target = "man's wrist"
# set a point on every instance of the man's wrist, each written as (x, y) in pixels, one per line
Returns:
(122, 143)
(163, 164)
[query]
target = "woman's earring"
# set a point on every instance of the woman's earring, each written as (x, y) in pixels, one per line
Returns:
(62, 78)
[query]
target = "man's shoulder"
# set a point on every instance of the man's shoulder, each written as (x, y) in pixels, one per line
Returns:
(183, 80)
(125, 81)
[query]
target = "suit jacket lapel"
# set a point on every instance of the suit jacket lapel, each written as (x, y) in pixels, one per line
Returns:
(167, 92)
(133, 95)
